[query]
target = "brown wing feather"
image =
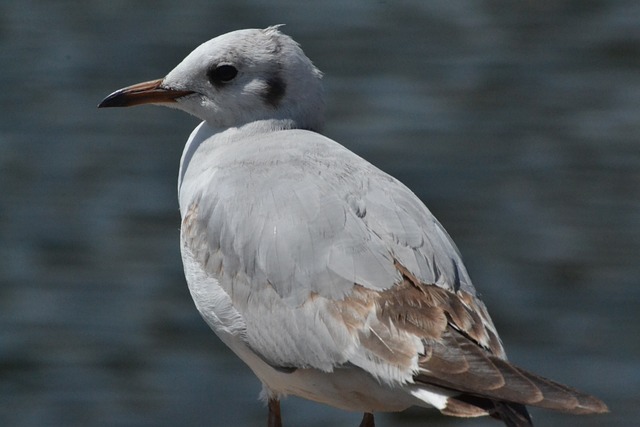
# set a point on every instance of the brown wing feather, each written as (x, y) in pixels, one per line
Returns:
(463, 353)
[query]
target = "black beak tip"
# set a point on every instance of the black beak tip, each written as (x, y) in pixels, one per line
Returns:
(113, 100)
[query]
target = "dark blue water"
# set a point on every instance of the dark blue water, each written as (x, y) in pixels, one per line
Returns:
(517, 123)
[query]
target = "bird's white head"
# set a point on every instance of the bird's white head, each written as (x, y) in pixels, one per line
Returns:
(238, 78)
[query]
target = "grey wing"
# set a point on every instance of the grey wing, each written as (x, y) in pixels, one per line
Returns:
(325, 261)
(292, 228)
(318, 218)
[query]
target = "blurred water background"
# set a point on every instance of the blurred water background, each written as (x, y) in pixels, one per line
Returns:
(517, 123)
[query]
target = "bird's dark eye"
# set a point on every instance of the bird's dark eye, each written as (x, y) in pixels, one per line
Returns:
(222, 74)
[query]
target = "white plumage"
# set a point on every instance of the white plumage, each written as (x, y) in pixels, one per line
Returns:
(325, 275)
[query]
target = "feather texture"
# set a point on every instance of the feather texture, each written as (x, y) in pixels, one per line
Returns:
(327, 276)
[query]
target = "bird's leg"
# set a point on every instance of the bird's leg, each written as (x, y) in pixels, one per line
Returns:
(275, 420)
(367, 420)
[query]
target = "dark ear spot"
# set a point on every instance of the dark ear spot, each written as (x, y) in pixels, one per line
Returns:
(276, 87)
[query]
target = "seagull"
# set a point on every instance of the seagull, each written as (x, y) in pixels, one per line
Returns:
(328, 277)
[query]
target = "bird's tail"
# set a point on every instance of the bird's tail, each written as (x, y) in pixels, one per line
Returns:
(511, 414)
(467, 405)
(520, 388)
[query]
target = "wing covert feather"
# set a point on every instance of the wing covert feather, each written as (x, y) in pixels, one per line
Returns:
(312, 217)
(287, 226)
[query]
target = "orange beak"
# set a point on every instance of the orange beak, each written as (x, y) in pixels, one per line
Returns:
(143, 93)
